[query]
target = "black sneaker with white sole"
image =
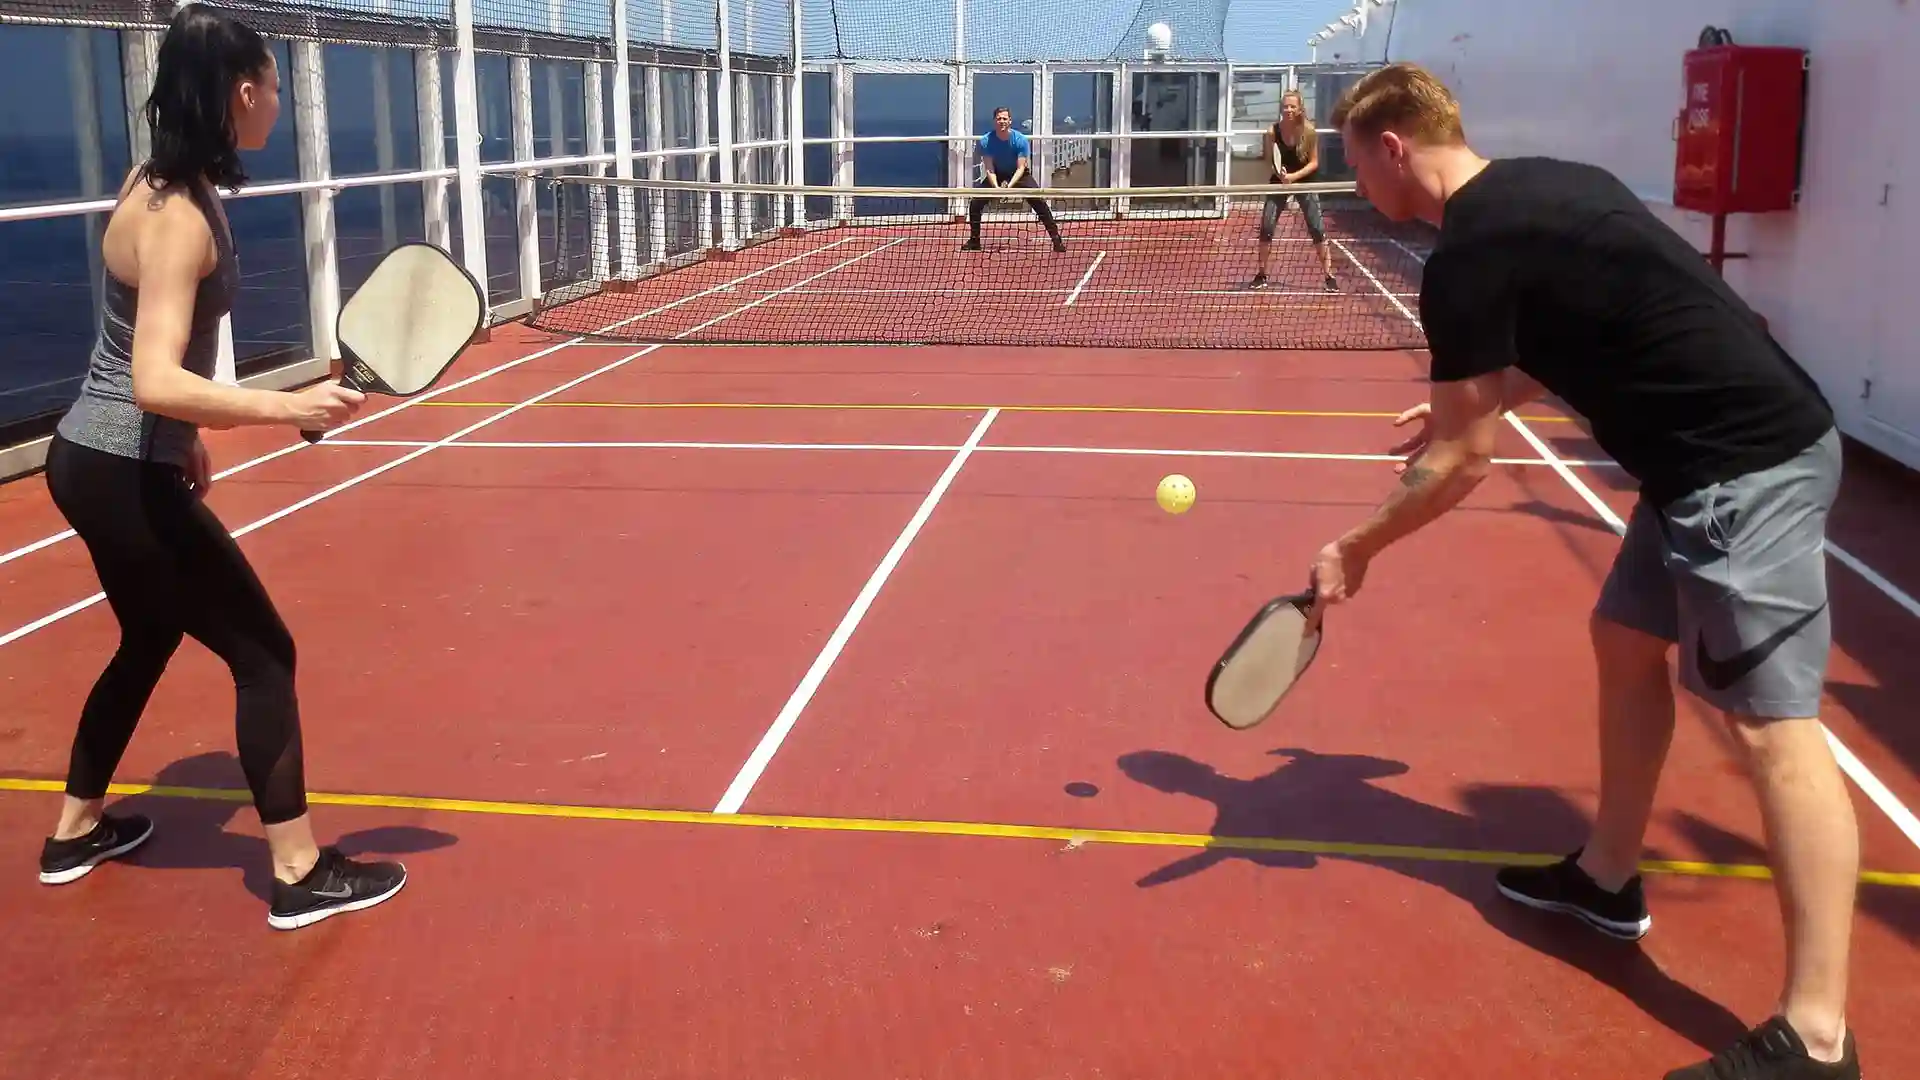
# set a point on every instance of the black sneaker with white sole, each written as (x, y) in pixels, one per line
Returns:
(1773, 1051)
(62, 861)
(335, 886)
(1565, 888)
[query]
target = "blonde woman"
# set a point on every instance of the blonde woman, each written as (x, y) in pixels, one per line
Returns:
(1292, 149)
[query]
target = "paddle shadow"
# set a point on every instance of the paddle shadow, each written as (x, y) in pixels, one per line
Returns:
(191, 833)
(1330, 797)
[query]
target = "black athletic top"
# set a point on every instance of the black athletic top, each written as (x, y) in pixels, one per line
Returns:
(1558, 269)
(1290, 156)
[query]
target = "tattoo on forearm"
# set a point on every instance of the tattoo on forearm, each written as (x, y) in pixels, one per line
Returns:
(1416, 476)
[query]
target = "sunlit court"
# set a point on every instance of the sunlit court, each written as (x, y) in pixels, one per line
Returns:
(764, 647)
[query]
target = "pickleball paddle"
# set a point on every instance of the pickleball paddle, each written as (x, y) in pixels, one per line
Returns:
(412, 318)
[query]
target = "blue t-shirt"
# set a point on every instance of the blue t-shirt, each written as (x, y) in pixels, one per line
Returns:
(1005, 155)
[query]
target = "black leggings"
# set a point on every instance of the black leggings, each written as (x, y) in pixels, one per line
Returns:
(169, 568)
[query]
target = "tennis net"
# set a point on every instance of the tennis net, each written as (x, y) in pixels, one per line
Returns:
(646, 260)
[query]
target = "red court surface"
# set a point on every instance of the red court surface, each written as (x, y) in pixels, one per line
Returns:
(805, 712)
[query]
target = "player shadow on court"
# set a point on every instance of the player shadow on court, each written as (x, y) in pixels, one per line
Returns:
(190, 833)
(1328, 798)
(1895, 907)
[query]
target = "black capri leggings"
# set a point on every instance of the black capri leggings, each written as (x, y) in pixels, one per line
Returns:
(169, 568)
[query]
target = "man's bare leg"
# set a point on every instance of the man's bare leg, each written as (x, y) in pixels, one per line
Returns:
(1813, 844)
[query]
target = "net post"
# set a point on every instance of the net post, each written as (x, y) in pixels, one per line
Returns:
(314, 159)
(1122, 140)
(656, 166)
(626, 221)
(842, 130)
(526, 206)
(796, 116)
(702, 123)
(563, 201)
(599, 240)
(466, 122)
(723, 126)
(959, 119)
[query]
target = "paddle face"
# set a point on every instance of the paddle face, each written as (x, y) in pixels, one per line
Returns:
(1264, 662)
(408, 323)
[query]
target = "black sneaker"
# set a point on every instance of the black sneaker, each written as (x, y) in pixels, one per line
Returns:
(1259, 281)
(1331, 285)
(1564, 887)
(972, 244)
(62, 861)
(1772, 1051)
(1059, 244)
(335, 886)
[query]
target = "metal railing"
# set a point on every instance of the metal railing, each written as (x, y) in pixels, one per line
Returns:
(725, 130)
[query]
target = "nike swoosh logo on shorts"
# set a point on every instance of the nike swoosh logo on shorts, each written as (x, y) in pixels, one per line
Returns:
(1722, 674)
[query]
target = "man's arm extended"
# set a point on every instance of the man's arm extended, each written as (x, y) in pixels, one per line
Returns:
(1464, 424)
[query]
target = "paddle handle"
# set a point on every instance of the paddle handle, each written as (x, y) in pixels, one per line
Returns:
(346, 380)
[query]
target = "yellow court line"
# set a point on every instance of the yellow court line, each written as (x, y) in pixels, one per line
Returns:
(979, 829)
(924, 406)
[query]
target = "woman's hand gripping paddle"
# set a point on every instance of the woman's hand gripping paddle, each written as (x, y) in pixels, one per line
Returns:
(414, 316)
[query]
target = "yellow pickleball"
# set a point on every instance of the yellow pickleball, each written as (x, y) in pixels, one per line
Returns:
(1175, 494)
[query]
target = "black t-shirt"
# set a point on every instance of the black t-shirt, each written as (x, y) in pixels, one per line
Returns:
(1558, 269)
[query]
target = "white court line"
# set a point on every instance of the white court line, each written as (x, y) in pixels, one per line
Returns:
(736, 794)
(1095, 451)
(1098, 290)
(1889, 804)
(49, 541)
(48, 620)
(669, 445)
(1084, 278)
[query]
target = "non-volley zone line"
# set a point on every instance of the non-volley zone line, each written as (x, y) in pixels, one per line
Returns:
(419, 451)
(1069, 835)
(989, 448)
(928, 406)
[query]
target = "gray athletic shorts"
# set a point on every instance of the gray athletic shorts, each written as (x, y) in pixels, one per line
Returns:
(1735, 574)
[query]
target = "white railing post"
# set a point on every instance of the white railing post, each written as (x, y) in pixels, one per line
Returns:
(383, 147)
(723, 126)
(81, 72)
(656, 167)
(1122, 152)
(598, 241)
(466, 124)
(626, 221)
(842, 130)
(526, 209)
(437, 222)
(140, 55)
(745, 116)
(315, 162)
(702, 121)
(796, 117)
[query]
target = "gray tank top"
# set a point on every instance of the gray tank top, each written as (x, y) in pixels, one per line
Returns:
(105, 417)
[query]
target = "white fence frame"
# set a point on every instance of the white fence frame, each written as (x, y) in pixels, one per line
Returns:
(632, 152)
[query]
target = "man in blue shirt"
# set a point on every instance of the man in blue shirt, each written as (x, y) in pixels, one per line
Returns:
(1005, 152)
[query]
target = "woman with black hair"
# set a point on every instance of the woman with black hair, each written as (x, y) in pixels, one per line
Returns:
(128, 470)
